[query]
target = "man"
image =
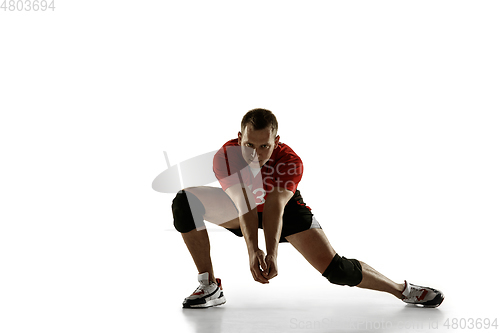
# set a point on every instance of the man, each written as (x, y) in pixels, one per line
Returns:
(259, 176)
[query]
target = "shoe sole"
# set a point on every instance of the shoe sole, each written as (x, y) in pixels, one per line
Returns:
(435, 305)
(208, 304)
(420, 305)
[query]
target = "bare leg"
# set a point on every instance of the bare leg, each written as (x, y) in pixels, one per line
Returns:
(220, 210)
(376, 281)
(315, 247)
(198, 245)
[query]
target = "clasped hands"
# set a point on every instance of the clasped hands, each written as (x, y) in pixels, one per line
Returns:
(263, 267)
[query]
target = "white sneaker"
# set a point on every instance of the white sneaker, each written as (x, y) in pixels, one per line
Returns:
(206, 295)
(424, 296)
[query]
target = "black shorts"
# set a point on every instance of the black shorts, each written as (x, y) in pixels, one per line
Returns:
(297, 217)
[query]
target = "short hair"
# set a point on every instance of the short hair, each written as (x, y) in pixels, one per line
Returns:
(260, 119)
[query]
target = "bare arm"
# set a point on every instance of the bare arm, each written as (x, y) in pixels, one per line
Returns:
(243, 200)
(249, 223)
(272, 221)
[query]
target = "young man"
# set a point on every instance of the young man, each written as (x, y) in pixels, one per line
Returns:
(259, 176)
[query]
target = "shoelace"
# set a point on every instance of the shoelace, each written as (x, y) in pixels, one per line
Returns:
(200, 288)
(415, 292)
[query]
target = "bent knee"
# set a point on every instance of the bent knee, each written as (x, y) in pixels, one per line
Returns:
(188, 212)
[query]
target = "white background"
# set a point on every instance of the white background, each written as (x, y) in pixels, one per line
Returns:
(392, 105)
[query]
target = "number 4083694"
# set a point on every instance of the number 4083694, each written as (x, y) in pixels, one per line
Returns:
(27, 5)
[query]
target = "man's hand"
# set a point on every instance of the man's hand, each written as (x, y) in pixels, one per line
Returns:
(272, 267)
(258, 261)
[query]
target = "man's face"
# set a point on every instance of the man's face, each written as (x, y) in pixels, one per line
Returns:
(257, 145)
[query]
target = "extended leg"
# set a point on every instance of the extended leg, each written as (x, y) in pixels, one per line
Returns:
(376, 281)
(315, 247)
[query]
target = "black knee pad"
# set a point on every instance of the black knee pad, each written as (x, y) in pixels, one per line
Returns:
(343, 271)
(188, 212)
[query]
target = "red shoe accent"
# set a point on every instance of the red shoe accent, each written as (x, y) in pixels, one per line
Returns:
(199, 292)
(219, 283)
(421, 297)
